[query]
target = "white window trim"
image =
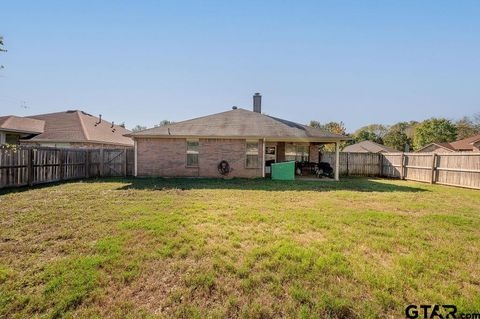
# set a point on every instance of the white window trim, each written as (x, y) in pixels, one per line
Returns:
(190, 152)
(296, 150)
(250, 153)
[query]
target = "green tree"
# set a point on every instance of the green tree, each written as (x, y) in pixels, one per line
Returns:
(372, 132)
(434, 130)
(314, 123)
(400, 135)
(138, 128)
(332, 127)
(396, 139)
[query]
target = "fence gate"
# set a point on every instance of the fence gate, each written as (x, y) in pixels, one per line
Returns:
(114, 162)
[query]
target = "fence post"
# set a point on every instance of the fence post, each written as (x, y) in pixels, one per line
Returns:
(30, 167)
(402, 166)
(348, 170)
(380, 164)
(100, 167)
(434, 163)
(124, 162)
(87, 163)
(61, 161)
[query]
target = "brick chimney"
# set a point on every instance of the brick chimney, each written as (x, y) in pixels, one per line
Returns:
(257, 103)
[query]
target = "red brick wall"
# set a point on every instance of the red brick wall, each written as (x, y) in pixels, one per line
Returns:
(167, 157)
(163, 157)
(212, 151)
(313, 153)
(281, 152)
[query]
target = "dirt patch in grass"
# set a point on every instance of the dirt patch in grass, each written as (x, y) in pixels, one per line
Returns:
(310, 237)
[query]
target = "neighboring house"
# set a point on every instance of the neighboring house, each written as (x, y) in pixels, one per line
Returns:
(469, 144)
(74, 128)
(13, 128)
(248, 141)
(368, 147)
(436, 148)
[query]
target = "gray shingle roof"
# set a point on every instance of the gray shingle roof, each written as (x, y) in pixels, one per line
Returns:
(369, 147)
(14, 123)
(239, 123)
(465, 144)
(78, 126)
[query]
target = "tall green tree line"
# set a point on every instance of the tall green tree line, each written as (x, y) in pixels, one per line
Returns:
(405, 136)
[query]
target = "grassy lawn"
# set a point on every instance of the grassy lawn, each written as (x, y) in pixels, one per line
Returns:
(360, 248)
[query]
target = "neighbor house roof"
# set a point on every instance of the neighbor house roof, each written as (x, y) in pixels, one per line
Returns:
(369, 147)
(466, 144)
(239, 123)
(78, 126)
(12, 123)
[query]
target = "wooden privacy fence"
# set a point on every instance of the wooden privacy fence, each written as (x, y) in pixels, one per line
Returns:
(37, 165)
(355, 164)
(454, 169)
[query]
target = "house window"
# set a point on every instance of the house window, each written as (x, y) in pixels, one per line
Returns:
(12, 138)
(302, 153)
(251, 154)
(298, 153)
(192, 153)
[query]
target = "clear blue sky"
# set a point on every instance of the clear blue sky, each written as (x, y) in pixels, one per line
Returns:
(141, 62)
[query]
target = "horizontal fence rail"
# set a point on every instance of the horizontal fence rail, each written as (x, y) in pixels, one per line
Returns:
(454, 169)
(355, 164)
(22, 166)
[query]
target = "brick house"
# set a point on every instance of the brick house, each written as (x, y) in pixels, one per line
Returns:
(72, 129)
(469, 144)
(248, 141)
(13, 128)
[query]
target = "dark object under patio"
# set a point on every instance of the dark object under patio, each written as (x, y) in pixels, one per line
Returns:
(315, 169)
(324, 169)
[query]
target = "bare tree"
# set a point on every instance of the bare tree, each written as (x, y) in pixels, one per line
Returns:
(139, 128)
(163, 123)
(2, 49)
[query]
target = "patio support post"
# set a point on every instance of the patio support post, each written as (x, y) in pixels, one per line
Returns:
(263, 158)
(337, 161)
(135, 157)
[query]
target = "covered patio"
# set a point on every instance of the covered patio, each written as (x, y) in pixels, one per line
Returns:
(305, 153)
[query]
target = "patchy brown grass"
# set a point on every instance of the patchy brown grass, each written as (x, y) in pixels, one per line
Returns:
(239, 248)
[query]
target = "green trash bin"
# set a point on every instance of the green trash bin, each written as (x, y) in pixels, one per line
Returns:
(284, 171)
